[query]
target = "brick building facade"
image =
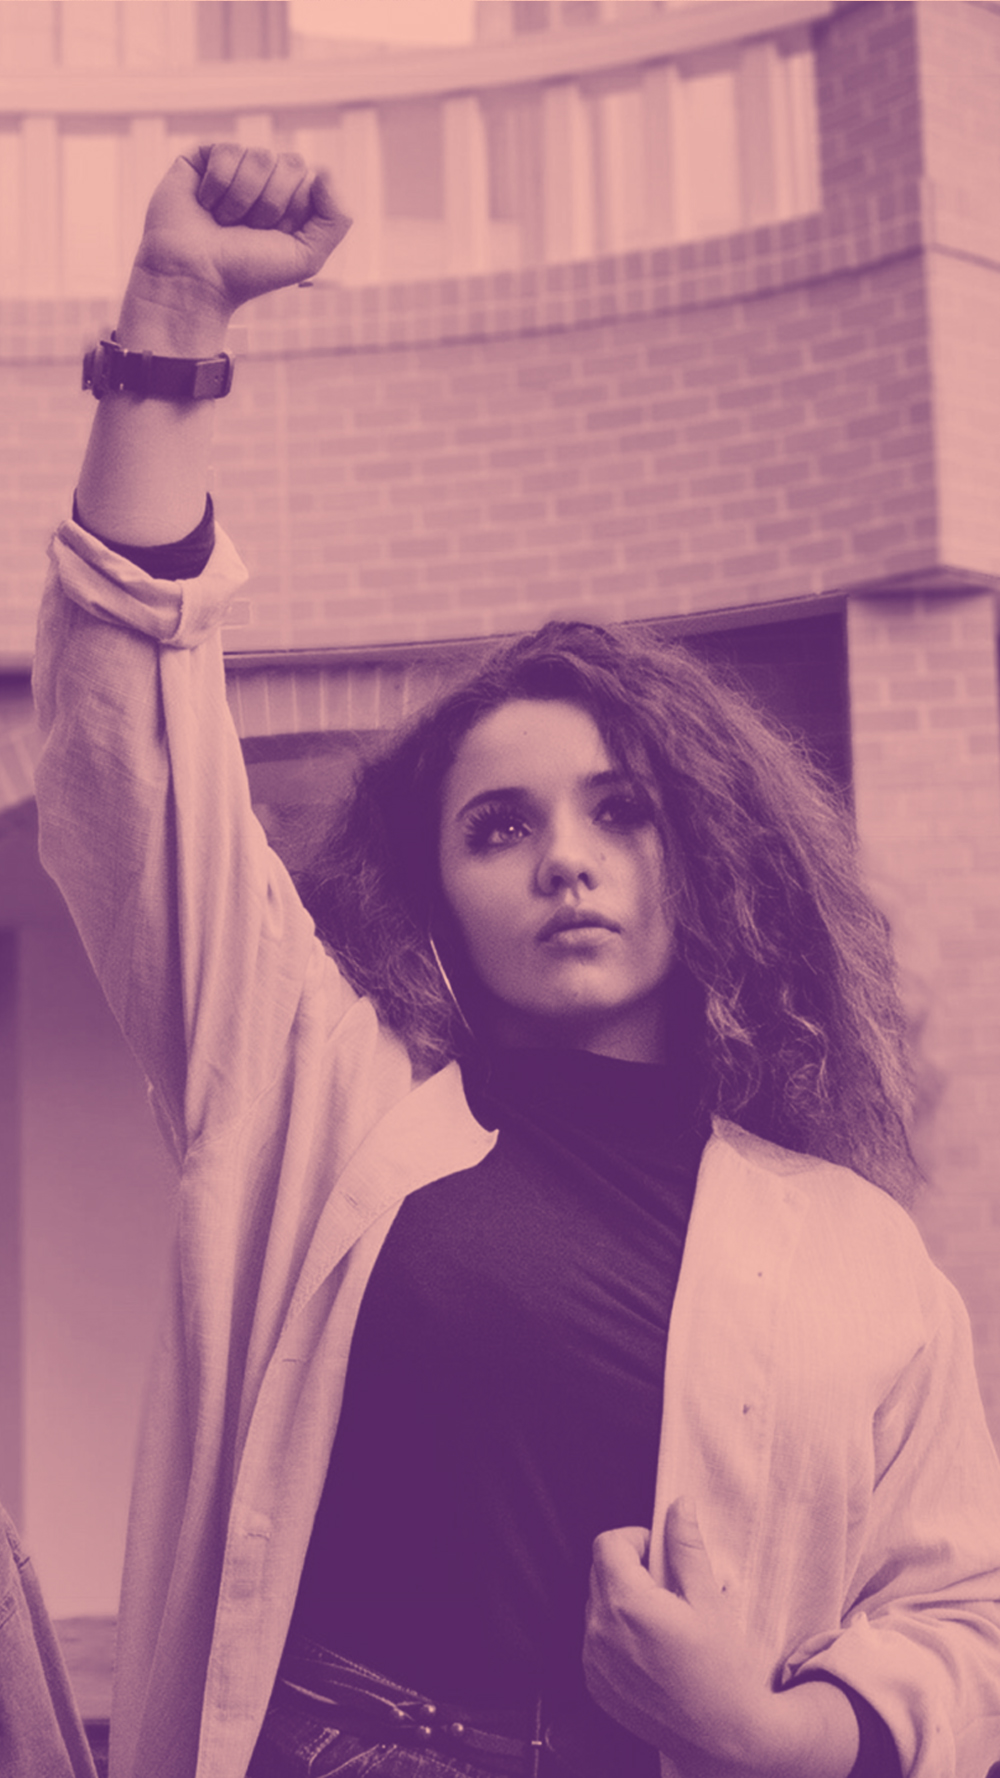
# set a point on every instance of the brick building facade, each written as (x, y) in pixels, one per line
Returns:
(782, 442)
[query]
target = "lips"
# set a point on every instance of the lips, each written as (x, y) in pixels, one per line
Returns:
(575, 920)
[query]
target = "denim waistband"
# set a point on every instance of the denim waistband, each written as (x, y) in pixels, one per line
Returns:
(525, 1743)
(342, 1691)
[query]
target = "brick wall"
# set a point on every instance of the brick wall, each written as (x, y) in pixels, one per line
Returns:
(755, 450)
(719, 423)
(799, 409)
(42, 432)
(705, 456)
(960, 71)
(926, 732)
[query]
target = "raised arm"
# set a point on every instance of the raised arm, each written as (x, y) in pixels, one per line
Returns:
(193, 927)
(224, 225)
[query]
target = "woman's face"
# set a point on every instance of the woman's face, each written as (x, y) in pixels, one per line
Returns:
(555, 873)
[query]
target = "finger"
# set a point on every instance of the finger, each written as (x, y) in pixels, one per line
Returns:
(327, 222)
(324, 228)
(197, 158)
(688, 1562)
(233, 180)
(625, 1544)
(298, 209)
(284, 201)
(619, 1564)
(216, 164)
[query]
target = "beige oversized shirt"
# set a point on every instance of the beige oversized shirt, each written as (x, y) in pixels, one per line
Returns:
(820, 1402)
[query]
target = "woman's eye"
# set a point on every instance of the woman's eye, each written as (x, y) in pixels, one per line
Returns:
(626, 814)
(491, 830)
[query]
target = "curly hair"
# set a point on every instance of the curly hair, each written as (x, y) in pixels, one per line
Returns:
(801, 1021)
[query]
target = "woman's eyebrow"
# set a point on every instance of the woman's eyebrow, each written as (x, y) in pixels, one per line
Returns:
(503, 792)
(520, 792)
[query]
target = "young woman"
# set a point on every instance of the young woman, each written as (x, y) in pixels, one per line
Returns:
(541, 1185)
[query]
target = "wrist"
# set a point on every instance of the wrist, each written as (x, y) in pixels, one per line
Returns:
(808, 1731)
(175, 316)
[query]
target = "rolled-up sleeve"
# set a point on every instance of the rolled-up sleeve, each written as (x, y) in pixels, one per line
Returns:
(193, 926)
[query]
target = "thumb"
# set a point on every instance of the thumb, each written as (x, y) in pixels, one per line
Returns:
(620, 1558)
(690, 1571)
(627, 1544)
(326, 224)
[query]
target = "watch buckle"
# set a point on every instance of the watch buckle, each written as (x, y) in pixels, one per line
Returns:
(213, 378)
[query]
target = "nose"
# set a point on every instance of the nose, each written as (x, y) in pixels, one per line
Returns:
(570, 857)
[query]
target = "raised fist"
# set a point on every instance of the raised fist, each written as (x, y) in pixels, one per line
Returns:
(228, 223)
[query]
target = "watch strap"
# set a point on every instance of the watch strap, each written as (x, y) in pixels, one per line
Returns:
(111, 367)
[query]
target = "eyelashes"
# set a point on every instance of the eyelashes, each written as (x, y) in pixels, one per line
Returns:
(626, 811)
(493, 827)
(497, 826)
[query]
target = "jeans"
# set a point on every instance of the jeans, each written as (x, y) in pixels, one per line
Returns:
(329, 1715)
(303, 1740)
(315, 1750)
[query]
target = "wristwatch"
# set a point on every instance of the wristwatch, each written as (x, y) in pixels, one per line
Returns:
(109, 366)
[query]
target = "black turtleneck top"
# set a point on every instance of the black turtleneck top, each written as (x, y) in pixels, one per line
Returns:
(504, 1395)
(505, 1386)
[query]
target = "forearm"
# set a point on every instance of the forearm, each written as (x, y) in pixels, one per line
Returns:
(224, 225)
(145, 472)
(673, 1665)
(807, 1731)
(193, 925)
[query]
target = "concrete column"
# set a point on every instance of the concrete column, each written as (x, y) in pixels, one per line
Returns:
(756, 95)
(622, 173)
(255, 129)
(466, 187)
(41, 206)
(144, 161)
(360, 183)
(568, 174)
(778, 132)
(181, 33)
(926, 732)
(799, 186)
(660, 104)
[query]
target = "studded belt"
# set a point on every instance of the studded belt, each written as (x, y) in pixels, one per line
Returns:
(356, 1700)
